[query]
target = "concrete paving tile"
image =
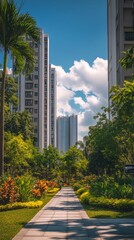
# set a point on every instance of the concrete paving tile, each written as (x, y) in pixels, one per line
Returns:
(55, 234)
(56, 228)
(36, 233)
(33, 238)
(78, 238)
(17, 237)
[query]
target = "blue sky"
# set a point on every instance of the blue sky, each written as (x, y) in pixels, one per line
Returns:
(77, 31)
(77, 28)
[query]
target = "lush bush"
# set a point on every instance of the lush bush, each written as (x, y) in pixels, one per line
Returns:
(107, 187)
(85, 197)
(19, 205)
(101, 202)
(40, 188)
(9, 192)
(51, 184)
(24, 189)
(76, 186)
(81, 190)
(87, 180)
(53, 190)
(24, 184)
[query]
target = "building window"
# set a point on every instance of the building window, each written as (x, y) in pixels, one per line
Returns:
(129, 36)
(28, 85)
(36, 69)
(36, 85)
(28, 102)
(35, 110)
(35, 119)
(36, 77)
(36, 94)
(28, 94)
(35, 102)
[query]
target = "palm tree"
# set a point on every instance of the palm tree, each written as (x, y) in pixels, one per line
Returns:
(14, 30)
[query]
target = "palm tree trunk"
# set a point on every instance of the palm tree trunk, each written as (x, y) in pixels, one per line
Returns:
(2, 103)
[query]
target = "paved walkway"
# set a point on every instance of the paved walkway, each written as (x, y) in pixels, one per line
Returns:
(64, 218)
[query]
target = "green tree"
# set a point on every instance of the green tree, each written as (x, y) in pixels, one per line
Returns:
(20, 123)
(76, 163)
(17, 152)
(127, 61)
(52, 161)
(103, 148)
(123, 118)
(14, 27)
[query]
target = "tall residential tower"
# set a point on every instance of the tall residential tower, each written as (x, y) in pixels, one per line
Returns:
(67, 132)
(37, 94)
(120, 38)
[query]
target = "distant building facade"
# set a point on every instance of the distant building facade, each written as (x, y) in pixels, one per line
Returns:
(120, 37)
(36, 96)
(67, 132)
(53, 106)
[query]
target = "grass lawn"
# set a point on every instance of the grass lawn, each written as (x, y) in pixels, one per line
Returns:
(13, 220)
(102, 213)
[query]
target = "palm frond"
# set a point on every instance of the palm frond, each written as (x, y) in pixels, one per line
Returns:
(24, 57)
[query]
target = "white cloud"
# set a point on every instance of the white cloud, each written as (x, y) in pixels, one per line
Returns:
(81, 102)
(92, 82)
(63, 97)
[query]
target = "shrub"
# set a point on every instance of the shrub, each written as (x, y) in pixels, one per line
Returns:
(54, 190)
(85, 197)
(101, 202)
(9, 192)
(39, 188)
(76, 186)
(107, 187)
(81, 190)
(19, 205)
(51, 184)
(24, 184)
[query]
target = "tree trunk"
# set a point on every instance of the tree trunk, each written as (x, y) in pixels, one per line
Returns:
(2, 103)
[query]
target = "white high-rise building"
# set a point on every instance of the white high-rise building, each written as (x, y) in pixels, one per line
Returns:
(67, 132)
(53, 106)
(120, 37)
(35, 94)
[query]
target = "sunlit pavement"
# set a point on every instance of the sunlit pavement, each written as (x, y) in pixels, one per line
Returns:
(64, 218)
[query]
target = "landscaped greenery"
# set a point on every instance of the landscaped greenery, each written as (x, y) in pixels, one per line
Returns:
(94, 212)
(11, 222)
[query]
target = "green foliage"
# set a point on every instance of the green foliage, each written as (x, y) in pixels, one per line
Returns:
(52, 162)
(128, 60)
(13, 27)
(20, 123)
(76, 186)
(75, 164)
(81, 190)
(101, 202)
(107, 187)
(24, 184)
(17, 152)
(19, 205)
(10, 92)
(24, 189)
(85, 197)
